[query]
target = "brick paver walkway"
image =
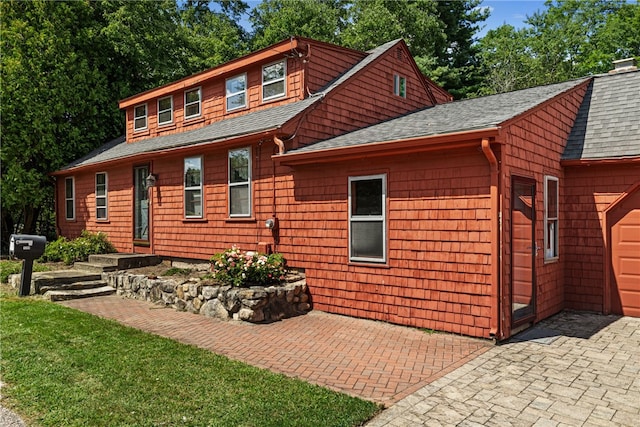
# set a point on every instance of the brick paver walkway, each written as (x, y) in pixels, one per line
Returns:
(582, 369)
(372, 360)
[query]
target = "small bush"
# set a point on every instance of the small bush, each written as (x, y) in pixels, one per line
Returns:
(13, 267)
(70, 251)
(237, 268)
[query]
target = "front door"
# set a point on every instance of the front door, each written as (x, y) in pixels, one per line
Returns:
(523, 250)
(140, 205)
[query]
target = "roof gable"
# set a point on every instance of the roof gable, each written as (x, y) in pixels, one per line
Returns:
(608, 121)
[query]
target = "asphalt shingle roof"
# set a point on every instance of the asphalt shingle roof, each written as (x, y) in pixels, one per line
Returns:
(608, 122)
(246, 124)
(458, 116)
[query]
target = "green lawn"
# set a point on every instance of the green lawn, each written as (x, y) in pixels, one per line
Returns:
(62, 367)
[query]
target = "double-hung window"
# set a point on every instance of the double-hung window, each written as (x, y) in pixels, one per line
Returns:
(193, 187)
(236, 92)
(70, 198)
(399, 86)
(240, 182)
(192, 101)
(551, 232)
(140, 117)
(367, 218)
(165, 110)
(273, 80)
(101, 196)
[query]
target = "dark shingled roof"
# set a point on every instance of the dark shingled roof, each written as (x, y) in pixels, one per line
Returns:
(247, 124)
(608, 122)
(458, 116)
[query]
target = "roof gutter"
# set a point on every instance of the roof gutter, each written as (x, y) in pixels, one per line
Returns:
(496, 288)
(378, 149)
(600, 162)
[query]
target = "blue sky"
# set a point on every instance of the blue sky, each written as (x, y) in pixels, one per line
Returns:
(512, 12)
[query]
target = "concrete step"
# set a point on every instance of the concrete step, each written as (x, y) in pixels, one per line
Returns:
(89, 284)
(78, 293)
(92, 267)
(125, 261)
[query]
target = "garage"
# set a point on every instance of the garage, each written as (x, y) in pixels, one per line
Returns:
(624, 220)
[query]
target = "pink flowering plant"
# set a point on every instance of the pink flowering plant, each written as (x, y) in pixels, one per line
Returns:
(237, 268)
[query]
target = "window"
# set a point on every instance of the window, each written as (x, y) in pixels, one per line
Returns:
(367, 218)
(70, 198)
(193, 187)
(273, 80)
(192, 101)
(236, 92)
(101, 196)
(399, 86)
(140, 117)
(165, 110)
(240, 182)
(551, 231)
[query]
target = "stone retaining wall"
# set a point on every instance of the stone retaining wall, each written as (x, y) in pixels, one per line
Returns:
(254, 304)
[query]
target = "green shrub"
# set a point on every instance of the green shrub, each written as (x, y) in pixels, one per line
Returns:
(70, 251)
(237, 268)
(13, 267)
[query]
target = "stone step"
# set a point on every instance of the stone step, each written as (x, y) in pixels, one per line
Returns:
(125, 261)
(89, 284)
(78, 293)
(60, 277)
(93, 267)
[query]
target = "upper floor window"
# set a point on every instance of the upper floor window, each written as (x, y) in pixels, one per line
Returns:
(236, 92)
(192, 101)
(165, 110)
(273, 80)
(551, 232)
(140, 117)
(399, 86)
(193, 187)
(240, 182)
(101, 196)
(70, 198)
(367, 218)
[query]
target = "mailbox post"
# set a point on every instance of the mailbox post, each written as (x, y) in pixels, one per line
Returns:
(27, 248)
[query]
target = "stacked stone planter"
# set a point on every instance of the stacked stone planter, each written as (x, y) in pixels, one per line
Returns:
(256, 304)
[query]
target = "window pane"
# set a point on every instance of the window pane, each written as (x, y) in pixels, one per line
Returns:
(272, 72)
(193, 96)
(273, 89)
(165, 117)
(366, 197)
(367, 239)
(140, 123)
(101, 202)
(239, 166)
(68, 188)
(69, 208)
(236, 101)
(239, 195)
(193, 110)
(192, 175)
(140, 111)
(164, 104)
(552, 198)
(235, 85)
(192, 203)
(101, 179)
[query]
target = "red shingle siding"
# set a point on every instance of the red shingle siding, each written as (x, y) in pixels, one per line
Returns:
(534, 147)
(325, 63)
(589, 190)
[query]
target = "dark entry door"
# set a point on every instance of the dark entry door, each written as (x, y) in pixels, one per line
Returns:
(523, 250)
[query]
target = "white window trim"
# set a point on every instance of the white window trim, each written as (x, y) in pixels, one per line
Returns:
(283, 79)
(72, 199)
(397, 79)
(199, 102)
(170, 97)
(370, 218)
(548, 219)
(105, 197)
(235, 184)
(230, 95)
(146, 117)
(195, 187)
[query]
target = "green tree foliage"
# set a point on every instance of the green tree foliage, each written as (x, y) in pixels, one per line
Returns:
(569, 39)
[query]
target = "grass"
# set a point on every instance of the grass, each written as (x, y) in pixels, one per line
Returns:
(65, 367)
(176, 271)
(13, 267)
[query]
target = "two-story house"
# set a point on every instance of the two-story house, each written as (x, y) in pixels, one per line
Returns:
(399, 204)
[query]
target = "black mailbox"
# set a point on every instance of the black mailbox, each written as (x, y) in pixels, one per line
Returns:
(28, 248)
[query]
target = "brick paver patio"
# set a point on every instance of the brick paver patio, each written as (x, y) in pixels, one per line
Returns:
(372, 360)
